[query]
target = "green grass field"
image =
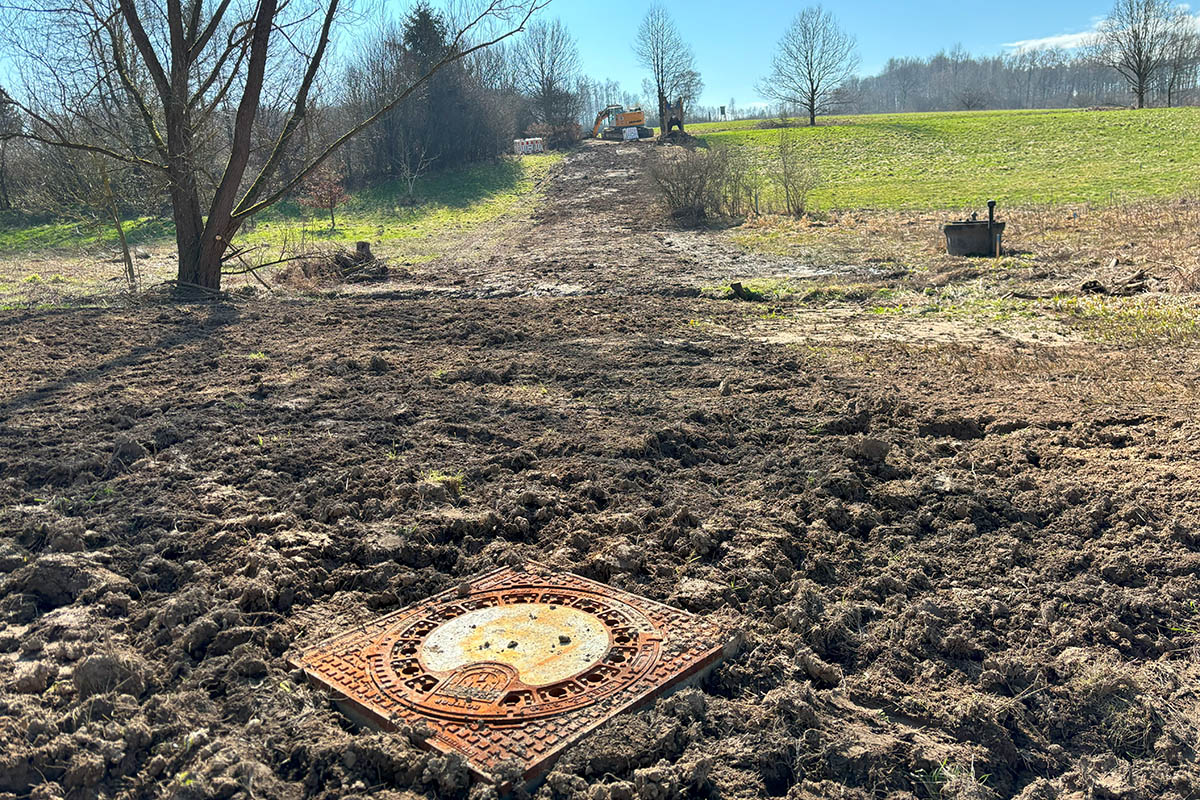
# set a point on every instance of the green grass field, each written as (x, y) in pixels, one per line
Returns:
(444, 202)
(963, 159)
(448, 201)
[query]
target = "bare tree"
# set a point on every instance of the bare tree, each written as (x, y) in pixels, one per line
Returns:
(548, 62)
(1134, 40)
(1182, 56)
(660, 48)
(972, 98)
(816, 58)
(414, 164)
(10, 128)
(796, 175)
(184, 64)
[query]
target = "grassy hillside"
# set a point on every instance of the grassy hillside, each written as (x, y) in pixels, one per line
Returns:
(446, 201)
(959, 160)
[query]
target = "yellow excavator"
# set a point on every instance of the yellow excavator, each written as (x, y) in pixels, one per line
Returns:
(623, 121)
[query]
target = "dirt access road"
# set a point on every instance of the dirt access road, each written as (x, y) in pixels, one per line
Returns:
(961, 569)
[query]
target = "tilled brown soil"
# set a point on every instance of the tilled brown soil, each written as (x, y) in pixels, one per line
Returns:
(959, 572)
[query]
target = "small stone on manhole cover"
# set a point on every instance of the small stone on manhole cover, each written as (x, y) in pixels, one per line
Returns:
(520, 665)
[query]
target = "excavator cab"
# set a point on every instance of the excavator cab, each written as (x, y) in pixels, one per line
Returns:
(623, 123)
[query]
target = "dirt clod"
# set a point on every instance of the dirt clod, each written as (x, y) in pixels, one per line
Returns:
(122, 672)
(34, 677)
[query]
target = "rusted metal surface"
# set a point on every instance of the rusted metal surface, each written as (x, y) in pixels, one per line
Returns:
(517, 664)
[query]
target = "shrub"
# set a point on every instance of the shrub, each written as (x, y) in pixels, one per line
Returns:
(702, 184)
(796, 176)
(558, 137)
(324, 191)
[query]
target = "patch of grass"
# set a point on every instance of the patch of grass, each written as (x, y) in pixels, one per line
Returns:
(975, 301)
(452, 481)
(23, 233)
(1136, 320)
(444, 202)
(964, 159)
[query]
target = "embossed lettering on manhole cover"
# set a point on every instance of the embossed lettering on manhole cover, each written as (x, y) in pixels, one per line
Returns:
(517, 664)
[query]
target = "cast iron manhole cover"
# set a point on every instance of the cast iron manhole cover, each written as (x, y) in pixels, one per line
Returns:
(516, 664)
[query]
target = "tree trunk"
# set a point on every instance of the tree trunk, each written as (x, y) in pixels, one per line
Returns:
(812, 115)
(332, 221)
(196, 268)
(115, 212)
(5, 202)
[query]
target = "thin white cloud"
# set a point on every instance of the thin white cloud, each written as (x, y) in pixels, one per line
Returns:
(1071, 41)
(1066, 41)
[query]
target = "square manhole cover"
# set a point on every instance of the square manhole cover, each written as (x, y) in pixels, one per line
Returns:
(514, 665)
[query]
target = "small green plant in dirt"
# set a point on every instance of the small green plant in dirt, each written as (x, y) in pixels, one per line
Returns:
(1186, 631)
(452, 481)
(103, 493)
(258, 356)
(949, 781)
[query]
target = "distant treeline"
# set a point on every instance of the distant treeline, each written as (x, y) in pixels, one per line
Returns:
(1052, 78)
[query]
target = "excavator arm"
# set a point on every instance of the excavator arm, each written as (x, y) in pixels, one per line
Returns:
(602, 117)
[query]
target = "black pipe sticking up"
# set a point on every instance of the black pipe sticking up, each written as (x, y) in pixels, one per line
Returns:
(992, 227)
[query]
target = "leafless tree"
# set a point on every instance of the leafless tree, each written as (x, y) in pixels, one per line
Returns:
(10, 128)
(1134, 40)
(1182, 56)
(548, 62)
(816, 58)
(972, 98)
(414, 164)
(253, 65)
(660, 48)
(796, 175)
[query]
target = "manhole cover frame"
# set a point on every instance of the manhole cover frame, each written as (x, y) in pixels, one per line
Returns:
(482, 710)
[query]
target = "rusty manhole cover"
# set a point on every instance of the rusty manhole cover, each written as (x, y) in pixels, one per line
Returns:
(517, 664)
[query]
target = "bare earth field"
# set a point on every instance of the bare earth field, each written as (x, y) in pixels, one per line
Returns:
(955, 521)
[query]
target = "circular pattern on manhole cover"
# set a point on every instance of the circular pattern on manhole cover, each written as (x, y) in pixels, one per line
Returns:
(522, 652)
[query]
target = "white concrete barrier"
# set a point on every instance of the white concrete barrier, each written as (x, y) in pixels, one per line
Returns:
(525, 147)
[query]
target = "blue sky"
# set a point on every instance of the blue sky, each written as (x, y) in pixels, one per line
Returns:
(734, 40)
